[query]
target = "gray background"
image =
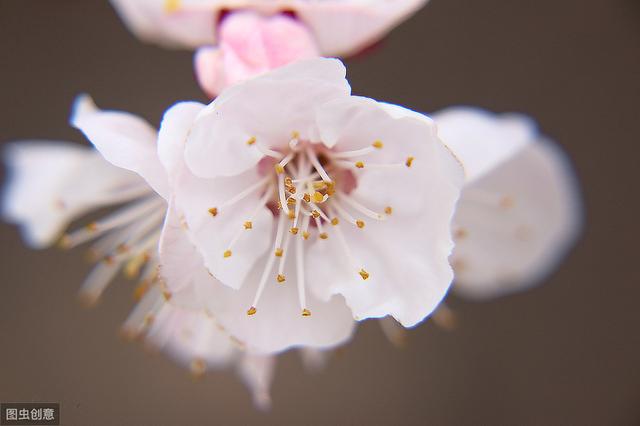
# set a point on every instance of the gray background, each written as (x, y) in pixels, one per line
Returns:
(565, 353)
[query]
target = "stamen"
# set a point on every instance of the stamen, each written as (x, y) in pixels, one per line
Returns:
(249, 223)
(409, 161)
(268, 152)
(388, 210)
(120, 217)
(246, 192)
(343, 242)
(300, 272)
(359, 207)
(357, 152)
(213, 211)
(268, 267)
(345, 214)
(316, 164)
(281, 194)
(251, 140)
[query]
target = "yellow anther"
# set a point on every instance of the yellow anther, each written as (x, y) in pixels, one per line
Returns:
(92, 227)
(335, 221)
(227, 253)
(306, 197)
(65, 242)
(388, 210)
(409, 161)
(198, 367)
(291, 189)
(460, 233)
(294, 231)
(360, 223)
(377, 144)
(306, 313)
(166, 295)
(140, 290)
(506, 202)
(295, 135)
(315, 214)
(278, 252)
(288, 181)
(305, 235)
(319, 185)
(364, 274)
(291, 201)
(148, 320)
(252, 310)
(280, 278)
(323, 236)
(331, 188)
(251, 140)
(292, 214)
(359, 164)
(213, 211)
(171, 6)
(279, 205)
(279, 168)
(248, 225)
(108, 260)
(318, 197)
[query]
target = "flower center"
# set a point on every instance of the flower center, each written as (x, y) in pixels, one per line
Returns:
(308, 188)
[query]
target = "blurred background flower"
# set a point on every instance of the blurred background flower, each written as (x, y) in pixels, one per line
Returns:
(496, 345)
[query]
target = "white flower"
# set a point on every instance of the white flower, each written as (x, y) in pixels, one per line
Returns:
(520, 210)
(197, 341)
(366, 190)
(340, 27)
(52, 183)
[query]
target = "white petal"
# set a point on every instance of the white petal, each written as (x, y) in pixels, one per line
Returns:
(189, 26)
(52, 183)
(123, 139)
(407, 254)
(340, 27)
(269, 108)
(213, 235)
(343, 28)
(482, 140)
(278, 324)
(257, 373)
(173, 133)
(516, 222)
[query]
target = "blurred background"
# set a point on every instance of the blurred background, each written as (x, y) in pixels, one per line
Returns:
(564, 353)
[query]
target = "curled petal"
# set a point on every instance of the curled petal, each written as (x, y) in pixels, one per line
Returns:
(123, 139)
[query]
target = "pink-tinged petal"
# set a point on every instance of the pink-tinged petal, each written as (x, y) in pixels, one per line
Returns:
(344, 28)
(515, 223)
(173, 133)
(405, 255)
(171, 23)
(482, 140)
(223, 230)
(123, 139)
(257, 373)
(218, 144)
(251, 44)
(277, 325)
(209, 69)
(52, 183)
